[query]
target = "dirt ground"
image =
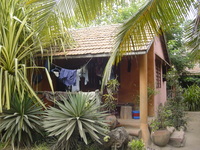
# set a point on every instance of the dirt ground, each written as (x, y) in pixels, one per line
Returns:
(192, 134)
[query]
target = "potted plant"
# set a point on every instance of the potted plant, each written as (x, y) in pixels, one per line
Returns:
(110, 97)
(160, 135)
(110, 102)
(113, 86)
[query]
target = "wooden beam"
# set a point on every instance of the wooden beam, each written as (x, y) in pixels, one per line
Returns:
(143, 100)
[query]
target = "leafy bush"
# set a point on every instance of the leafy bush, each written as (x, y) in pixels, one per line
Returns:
(192, 98)
(136, 145)
(75, 119)
(109, 102)
(177, 108)
(163, 118)
(19, 124)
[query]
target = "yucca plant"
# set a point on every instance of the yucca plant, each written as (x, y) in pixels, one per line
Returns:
(19, 124)
(75, 118)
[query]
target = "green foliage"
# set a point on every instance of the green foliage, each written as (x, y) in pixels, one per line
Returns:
(190, 80)
(192, 98)
(172, 82)
(193, 34)
(119, 13)
(177, 108)
(150, 92)
(42, 146)
(163, 118)
(74, 119)
(109, 98)
(109, 102)
(136, 145)
(178, 56)
(19, 124)
(175, 100)
(113, 85)
(177, 51)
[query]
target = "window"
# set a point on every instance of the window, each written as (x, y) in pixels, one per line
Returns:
(158, 74)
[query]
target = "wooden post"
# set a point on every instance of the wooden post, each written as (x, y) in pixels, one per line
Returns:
(143, 100)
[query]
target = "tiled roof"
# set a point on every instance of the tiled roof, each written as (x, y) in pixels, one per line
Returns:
(94, 41)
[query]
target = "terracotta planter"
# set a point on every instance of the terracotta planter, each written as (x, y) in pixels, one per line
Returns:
(160, 137)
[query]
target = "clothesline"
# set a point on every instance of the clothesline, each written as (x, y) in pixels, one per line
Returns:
(71, 78)
(80, 67)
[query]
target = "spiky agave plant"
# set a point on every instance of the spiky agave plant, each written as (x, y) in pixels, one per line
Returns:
(75, 118)
(21, 122)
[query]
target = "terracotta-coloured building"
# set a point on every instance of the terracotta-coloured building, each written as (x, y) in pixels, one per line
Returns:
(92, 49)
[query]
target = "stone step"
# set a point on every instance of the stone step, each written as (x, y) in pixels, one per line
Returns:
(177, 139)
(134, 132)
(134, 123)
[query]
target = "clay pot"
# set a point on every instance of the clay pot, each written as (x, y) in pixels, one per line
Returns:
(160, 137)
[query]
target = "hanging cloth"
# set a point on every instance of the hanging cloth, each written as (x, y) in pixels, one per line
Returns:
(85, 74)
(68, 76)
(76, 87)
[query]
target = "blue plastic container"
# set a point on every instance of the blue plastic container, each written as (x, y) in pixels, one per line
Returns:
(136, 114)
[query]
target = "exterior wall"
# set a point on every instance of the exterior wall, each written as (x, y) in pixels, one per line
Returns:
(129, 81)
(161, 96)
(158, 48)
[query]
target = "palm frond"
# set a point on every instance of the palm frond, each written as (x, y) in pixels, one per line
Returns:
(142, 27)
(193, 36)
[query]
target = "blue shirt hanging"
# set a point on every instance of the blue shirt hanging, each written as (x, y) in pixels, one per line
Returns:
(68, 77)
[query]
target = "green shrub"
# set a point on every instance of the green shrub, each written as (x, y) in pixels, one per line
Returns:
(136, 145)
(163, 118)
(19, 124)
(192, 98)
(74, 119)
(177, 108)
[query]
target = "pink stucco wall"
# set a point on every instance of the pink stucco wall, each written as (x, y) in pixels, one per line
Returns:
(161, 97)
(158, 48)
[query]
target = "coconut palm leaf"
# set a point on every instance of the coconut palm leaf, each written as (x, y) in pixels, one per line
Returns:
(193, 36)
(142, 27)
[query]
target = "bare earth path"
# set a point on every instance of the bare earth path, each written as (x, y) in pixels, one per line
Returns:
(192, 134)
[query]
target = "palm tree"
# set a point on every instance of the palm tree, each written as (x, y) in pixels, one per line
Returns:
(155, 17)
(28, 27)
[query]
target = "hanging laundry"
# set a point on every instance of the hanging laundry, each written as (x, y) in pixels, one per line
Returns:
(85, 74)
(68, 77)
(76, 87)
(56, 71)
